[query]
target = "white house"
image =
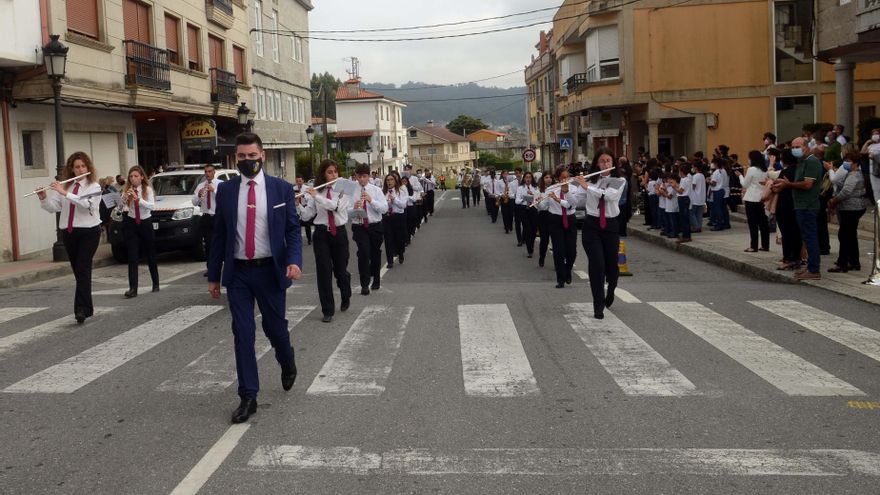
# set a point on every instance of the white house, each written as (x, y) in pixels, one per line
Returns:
(370, 127)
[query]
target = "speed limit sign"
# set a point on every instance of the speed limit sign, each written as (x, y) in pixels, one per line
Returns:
(528, 155)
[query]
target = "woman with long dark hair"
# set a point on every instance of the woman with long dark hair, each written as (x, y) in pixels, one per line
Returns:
(330, 240)
(394, 222)
(413, 211)
(525, 195)
(80, 224)
(601, 231)
(785, 217)
(753, 191)
(561, 204)
(542, 219)
(139, 198)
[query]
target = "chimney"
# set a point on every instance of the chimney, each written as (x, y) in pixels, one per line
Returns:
(352, 87)
(430, 123)
(542, 42)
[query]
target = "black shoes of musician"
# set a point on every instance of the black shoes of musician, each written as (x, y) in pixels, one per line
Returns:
(609, 299)
(560, 285)
(80, 317)
(327, 318)
(400, 259)
(541, 262)
(599, 314)
(244, 410)
(506, 231)
(205, 274)
(344, 306)
(568, 279)
(529, 255)
(390, 265)
(288, 374)
(130, 293)
(365, 291)
(519, 244)
(375, 285)
(156, 288)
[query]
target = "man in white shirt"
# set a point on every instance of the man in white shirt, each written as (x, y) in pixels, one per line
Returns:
(300, 189)
(205, 197)
(698, 197)
(429, 184)
(368, 232)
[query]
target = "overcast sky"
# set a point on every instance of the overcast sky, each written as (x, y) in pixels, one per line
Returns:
(445, 61)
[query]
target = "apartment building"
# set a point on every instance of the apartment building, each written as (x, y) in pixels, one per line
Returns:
(541, 80)
(439, 149)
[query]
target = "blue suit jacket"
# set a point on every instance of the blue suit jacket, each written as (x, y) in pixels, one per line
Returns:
(285, 238)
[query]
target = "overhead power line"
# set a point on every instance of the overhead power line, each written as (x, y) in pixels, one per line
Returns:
(445, 85)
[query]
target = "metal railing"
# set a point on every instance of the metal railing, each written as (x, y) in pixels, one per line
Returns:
(223, 87)
(146, 66)
(576, 82)
(224, 5)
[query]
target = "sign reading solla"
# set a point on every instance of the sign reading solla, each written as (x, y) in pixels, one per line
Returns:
(199, 134)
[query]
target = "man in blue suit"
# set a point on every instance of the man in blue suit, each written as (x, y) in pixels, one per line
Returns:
(258, 249)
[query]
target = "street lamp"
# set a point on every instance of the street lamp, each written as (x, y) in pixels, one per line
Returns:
(369, 154)
(243, 113)
(309, 133)
(55, 60)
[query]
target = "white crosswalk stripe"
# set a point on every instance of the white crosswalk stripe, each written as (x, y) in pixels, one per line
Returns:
(857, 337)
(8, 314)
(82, 369)
(781, 368)
(214, 370)
(494, 363)
(362, 361)
(16, 340)
(636, 367)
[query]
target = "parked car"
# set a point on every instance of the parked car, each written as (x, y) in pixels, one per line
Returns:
(175, 219)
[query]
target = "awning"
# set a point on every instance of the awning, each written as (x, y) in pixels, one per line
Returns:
(603, 133)
(354, 134)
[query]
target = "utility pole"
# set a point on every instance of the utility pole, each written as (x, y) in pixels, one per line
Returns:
(326, 141)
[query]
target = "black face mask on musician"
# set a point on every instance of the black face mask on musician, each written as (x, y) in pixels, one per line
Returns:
(249, 168)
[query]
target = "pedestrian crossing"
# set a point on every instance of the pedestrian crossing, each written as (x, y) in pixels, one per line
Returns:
(494, 362)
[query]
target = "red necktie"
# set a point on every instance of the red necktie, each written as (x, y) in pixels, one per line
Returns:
(137, 208)
(564, 211)
(72, 208)
(331, 221)
(602, 221)
(366, 217)
(250, 242)
(209, 195)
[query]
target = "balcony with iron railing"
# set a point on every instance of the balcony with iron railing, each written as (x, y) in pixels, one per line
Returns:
(146, 66)
(220, 12)
(223, 86)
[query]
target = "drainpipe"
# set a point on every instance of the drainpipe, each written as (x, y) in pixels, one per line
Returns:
(10, 181)
(44, 20)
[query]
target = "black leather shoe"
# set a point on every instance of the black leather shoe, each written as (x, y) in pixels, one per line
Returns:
(529, 255)
(344, 306)
(519, 244)
(609, 299)
(80, 317)
(560, 285)
(288, 374)
(599, 315)
(155, 288)
(365, 291)
(131, 293)
(327, 318)
(389, 265)
(568, 279)
(541, 262)
(400, 259)
(244, 410)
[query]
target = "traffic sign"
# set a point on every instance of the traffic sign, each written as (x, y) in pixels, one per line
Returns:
(565, 143)
(528, 155)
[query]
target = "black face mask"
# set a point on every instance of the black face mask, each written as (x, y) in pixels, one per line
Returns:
(249, 168)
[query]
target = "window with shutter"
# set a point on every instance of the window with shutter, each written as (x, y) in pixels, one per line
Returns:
(172, 39)
(215, 52)
(192, 47)
(82, 17)
(136, 21)
(238, 63)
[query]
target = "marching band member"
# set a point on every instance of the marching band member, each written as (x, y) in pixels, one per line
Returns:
(525, 195)
(80, 224)
(411, 209)
(301, 203)
(139, 199)
(515, 182)
(205, 197)
(486, 182)
(331, 241)
(394, 222)
(543, 219)
(429, 184)
(475, 186)
(508, 190)
(563, 231)
(368, 233)
(465, 188)
(601, 236)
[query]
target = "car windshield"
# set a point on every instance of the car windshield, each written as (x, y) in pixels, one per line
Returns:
(174, 185)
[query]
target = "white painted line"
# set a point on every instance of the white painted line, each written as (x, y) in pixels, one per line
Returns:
(493, 361)
(582, 274)
(856, 337)
(567, 461)
(784, 370)
(80, 370)
(362, 361)
(212, 460)
(214, 370)
(636, 367)
(7, 314)
(382, 271)
(439, 202)
(625, 296)
(119, 291)
(16, 340)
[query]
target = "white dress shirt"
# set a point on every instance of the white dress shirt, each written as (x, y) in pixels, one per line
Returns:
(375, 208)
(671, 202)
(609, 195)
(698, 190)
(417, 188)
(399, 200)
(302, 208)
(523, 191)
(338, 203)
(651, 188)
(429, 184)
(751, 183)
(202, 201)
(572, 198)
(85, 213)
(144, 204)
(718, 179)
(685, 184)
(486, 183)
(262, 247)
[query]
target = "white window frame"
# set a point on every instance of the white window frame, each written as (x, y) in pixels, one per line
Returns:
(292, 117)
(263, 109)
(256, 103)
(297, 49)
(276, 48)
(773, 53)
(258, 27)
(302, 111)
(279, 115)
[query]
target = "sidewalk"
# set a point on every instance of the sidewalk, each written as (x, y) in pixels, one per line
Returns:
(17, 273)
(725, 249)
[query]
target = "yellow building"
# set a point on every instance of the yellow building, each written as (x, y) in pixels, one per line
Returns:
(677, 77)
(541, 80)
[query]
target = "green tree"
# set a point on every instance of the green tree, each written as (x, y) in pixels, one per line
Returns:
(331, 84)
(465, 124)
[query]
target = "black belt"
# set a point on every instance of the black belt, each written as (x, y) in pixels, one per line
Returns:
(254, 262)
(361, 224)
(320, 227)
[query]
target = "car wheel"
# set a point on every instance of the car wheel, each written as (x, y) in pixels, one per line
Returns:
(119, 253)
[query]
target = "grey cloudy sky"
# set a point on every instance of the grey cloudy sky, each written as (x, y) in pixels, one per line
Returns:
(445, 61)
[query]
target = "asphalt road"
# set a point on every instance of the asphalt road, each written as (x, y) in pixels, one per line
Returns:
(468, 372)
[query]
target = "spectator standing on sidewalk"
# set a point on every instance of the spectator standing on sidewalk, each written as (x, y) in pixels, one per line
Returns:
(805, 195)
(698, 197)
(753, 185)
(871, 149)
(719, 218)
(850, 202)
(785, 218)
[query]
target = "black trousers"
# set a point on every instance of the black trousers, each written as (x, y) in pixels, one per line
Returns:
(81, 245)
(822, 226)
(429, 204)
(564, 246)
(848, 236)
(465, 197)
(649, 215)
(519, 212)
(308, 225)
(601, 247)
(369, 253)
(492, 207)
(488, 200)
(140, 239)
(507, 214)
(206, 232)
(791, 235)
(758, 223)
(331, 259)
(475, 193)
(394, 230)
(543, 224)
(529, 220)
(413, 219)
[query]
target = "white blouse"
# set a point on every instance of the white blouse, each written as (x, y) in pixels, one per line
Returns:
(85, 204)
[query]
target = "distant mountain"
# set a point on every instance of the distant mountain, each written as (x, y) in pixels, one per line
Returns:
(507, 107)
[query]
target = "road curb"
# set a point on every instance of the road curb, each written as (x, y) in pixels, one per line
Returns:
(59, 270)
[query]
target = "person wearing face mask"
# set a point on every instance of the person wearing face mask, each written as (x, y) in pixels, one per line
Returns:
(139, 199)
(205, 197)
(257, 247)
(850, 202)
(871, 149)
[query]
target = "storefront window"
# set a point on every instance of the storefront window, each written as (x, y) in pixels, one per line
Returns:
(793, 40)
(792, 112)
